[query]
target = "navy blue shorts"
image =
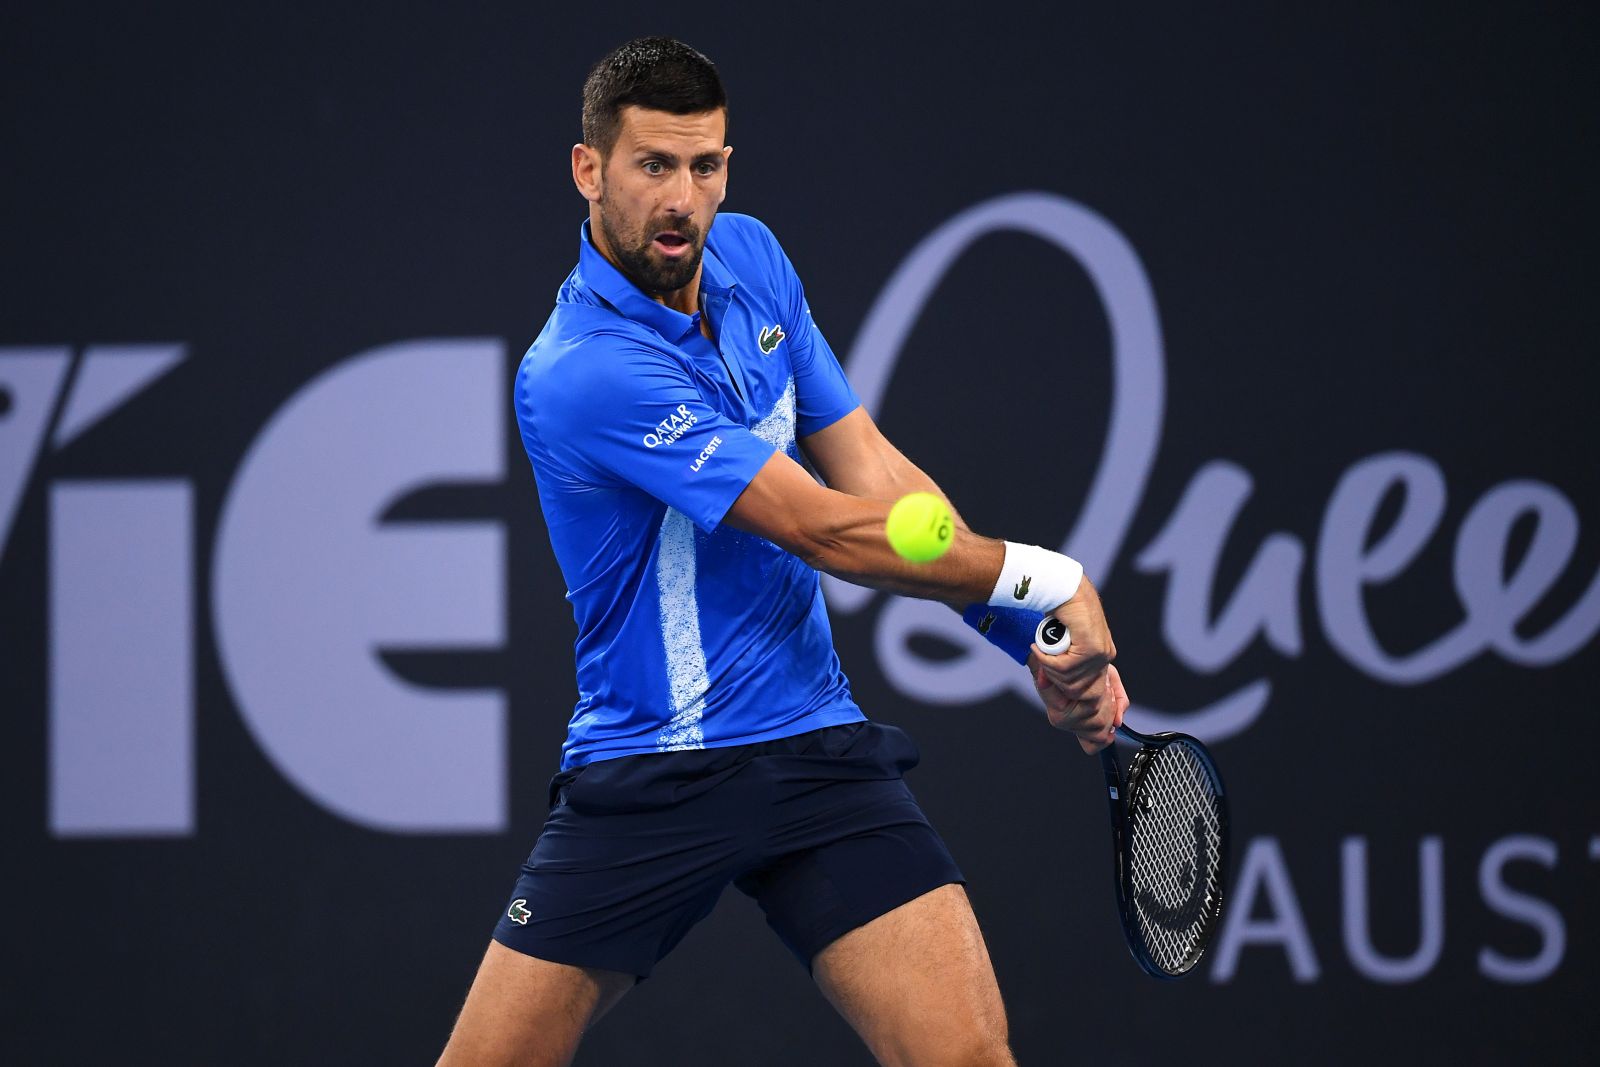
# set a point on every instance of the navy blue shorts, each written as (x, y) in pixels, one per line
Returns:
(819, 828)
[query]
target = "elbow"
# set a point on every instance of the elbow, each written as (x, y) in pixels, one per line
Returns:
(818, 548)
(823, 546)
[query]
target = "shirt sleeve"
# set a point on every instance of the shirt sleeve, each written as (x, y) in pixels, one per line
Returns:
(823, 394)
(630, 414)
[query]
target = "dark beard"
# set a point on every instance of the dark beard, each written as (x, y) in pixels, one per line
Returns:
(652, 276)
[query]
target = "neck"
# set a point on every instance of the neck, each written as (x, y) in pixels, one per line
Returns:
(685, 300)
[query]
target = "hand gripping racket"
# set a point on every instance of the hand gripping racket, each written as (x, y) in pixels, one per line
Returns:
(1169, 821)
(1169, 836)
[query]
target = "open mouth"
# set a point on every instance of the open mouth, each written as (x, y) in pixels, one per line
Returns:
(672, 244)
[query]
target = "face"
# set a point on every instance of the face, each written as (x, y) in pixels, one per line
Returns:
(655, 193)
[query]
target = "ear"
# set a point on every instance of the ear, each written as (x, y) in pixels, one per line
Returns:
(587, 167)
(727, 156)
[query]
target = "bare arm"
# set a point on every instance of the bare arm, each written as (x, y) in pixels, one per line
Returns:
(854, 457)
(838, 528)
(842, 534)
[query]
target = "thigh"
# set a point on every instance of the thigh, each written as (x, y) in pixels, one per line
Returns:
(527, 1011)
(917, 985)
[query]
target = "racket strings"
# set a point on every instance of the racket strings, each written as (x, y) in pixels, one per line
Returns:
(1176, 831)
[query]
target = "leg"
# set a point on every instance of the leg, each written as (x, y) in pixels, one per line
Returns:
(917, 985)
(526, 1011)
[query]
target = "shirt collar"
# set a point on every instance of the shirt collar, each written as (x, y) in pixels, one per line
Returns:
(598, 274)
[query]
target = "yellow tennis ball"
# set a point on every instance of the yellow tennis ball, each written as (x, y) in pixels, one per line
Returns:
(919, 527)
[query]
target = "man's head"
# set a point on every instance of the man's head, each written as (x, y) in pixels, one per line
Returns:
(653, 164)
(655, 73)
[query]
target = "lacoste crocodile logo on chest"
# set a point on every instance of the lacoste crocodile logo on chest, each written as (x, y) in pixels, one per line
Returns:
(768, 339)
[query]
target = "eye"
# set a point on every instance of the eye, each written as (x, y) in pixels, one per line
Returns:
(705, 168)
(654, 167)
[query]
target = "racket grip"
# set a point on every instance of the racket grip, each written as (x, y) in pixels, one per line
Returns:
(1052, 636)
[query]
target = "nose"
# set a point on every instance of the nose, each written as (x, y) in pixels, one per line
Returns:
(680, 194)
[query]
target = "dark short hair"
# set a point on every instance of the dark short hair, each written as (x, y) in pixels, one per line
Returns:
(652, 72)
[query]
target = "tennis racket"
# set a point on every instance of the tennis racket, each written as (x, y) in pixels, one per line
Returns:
(1169, 838)
(1169, 820)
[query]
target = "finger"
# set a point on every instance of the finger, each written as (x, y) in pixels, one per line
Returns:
(1090, 689)
(1073, 666)
(1056, 705)
(1091, 745)
(1075, 716)
(1119, 693)
(1047, 689)
(1100, 726)
(1101, 729)
(1074, 671)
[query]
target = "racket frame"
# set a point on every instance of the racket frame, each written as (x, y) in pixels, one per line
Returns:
(1119, 789)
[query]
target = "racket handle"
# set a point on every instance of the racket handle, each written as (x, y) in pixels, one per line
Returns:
(1052, 636)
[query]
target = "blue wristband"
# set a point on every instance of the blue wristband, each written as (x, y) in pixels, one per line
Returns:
(1009, 629)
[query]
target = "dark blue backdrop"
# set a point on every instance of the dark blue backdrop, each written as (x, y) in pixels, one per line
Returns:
(1322, 277)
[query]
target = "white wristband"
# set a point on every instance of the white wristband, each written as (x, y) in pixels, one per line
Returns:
(1035, 578)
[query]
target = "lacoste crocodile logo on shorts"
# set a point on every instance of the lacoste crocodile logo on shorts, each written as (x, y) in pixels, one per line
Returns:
(768, 339)
(518, 912)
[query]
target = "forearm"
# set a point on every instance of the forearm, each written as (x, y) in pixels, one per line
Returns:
(852, 546)
(853, 458)
(889, 477)
(839, 528)
(906, 478)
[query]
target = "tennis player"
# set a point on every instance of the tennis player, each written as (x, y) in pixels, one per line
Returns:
(668, 408)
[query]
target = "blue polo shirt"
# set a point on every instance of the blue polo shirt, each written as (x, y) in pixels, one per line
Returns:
(642, 433)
